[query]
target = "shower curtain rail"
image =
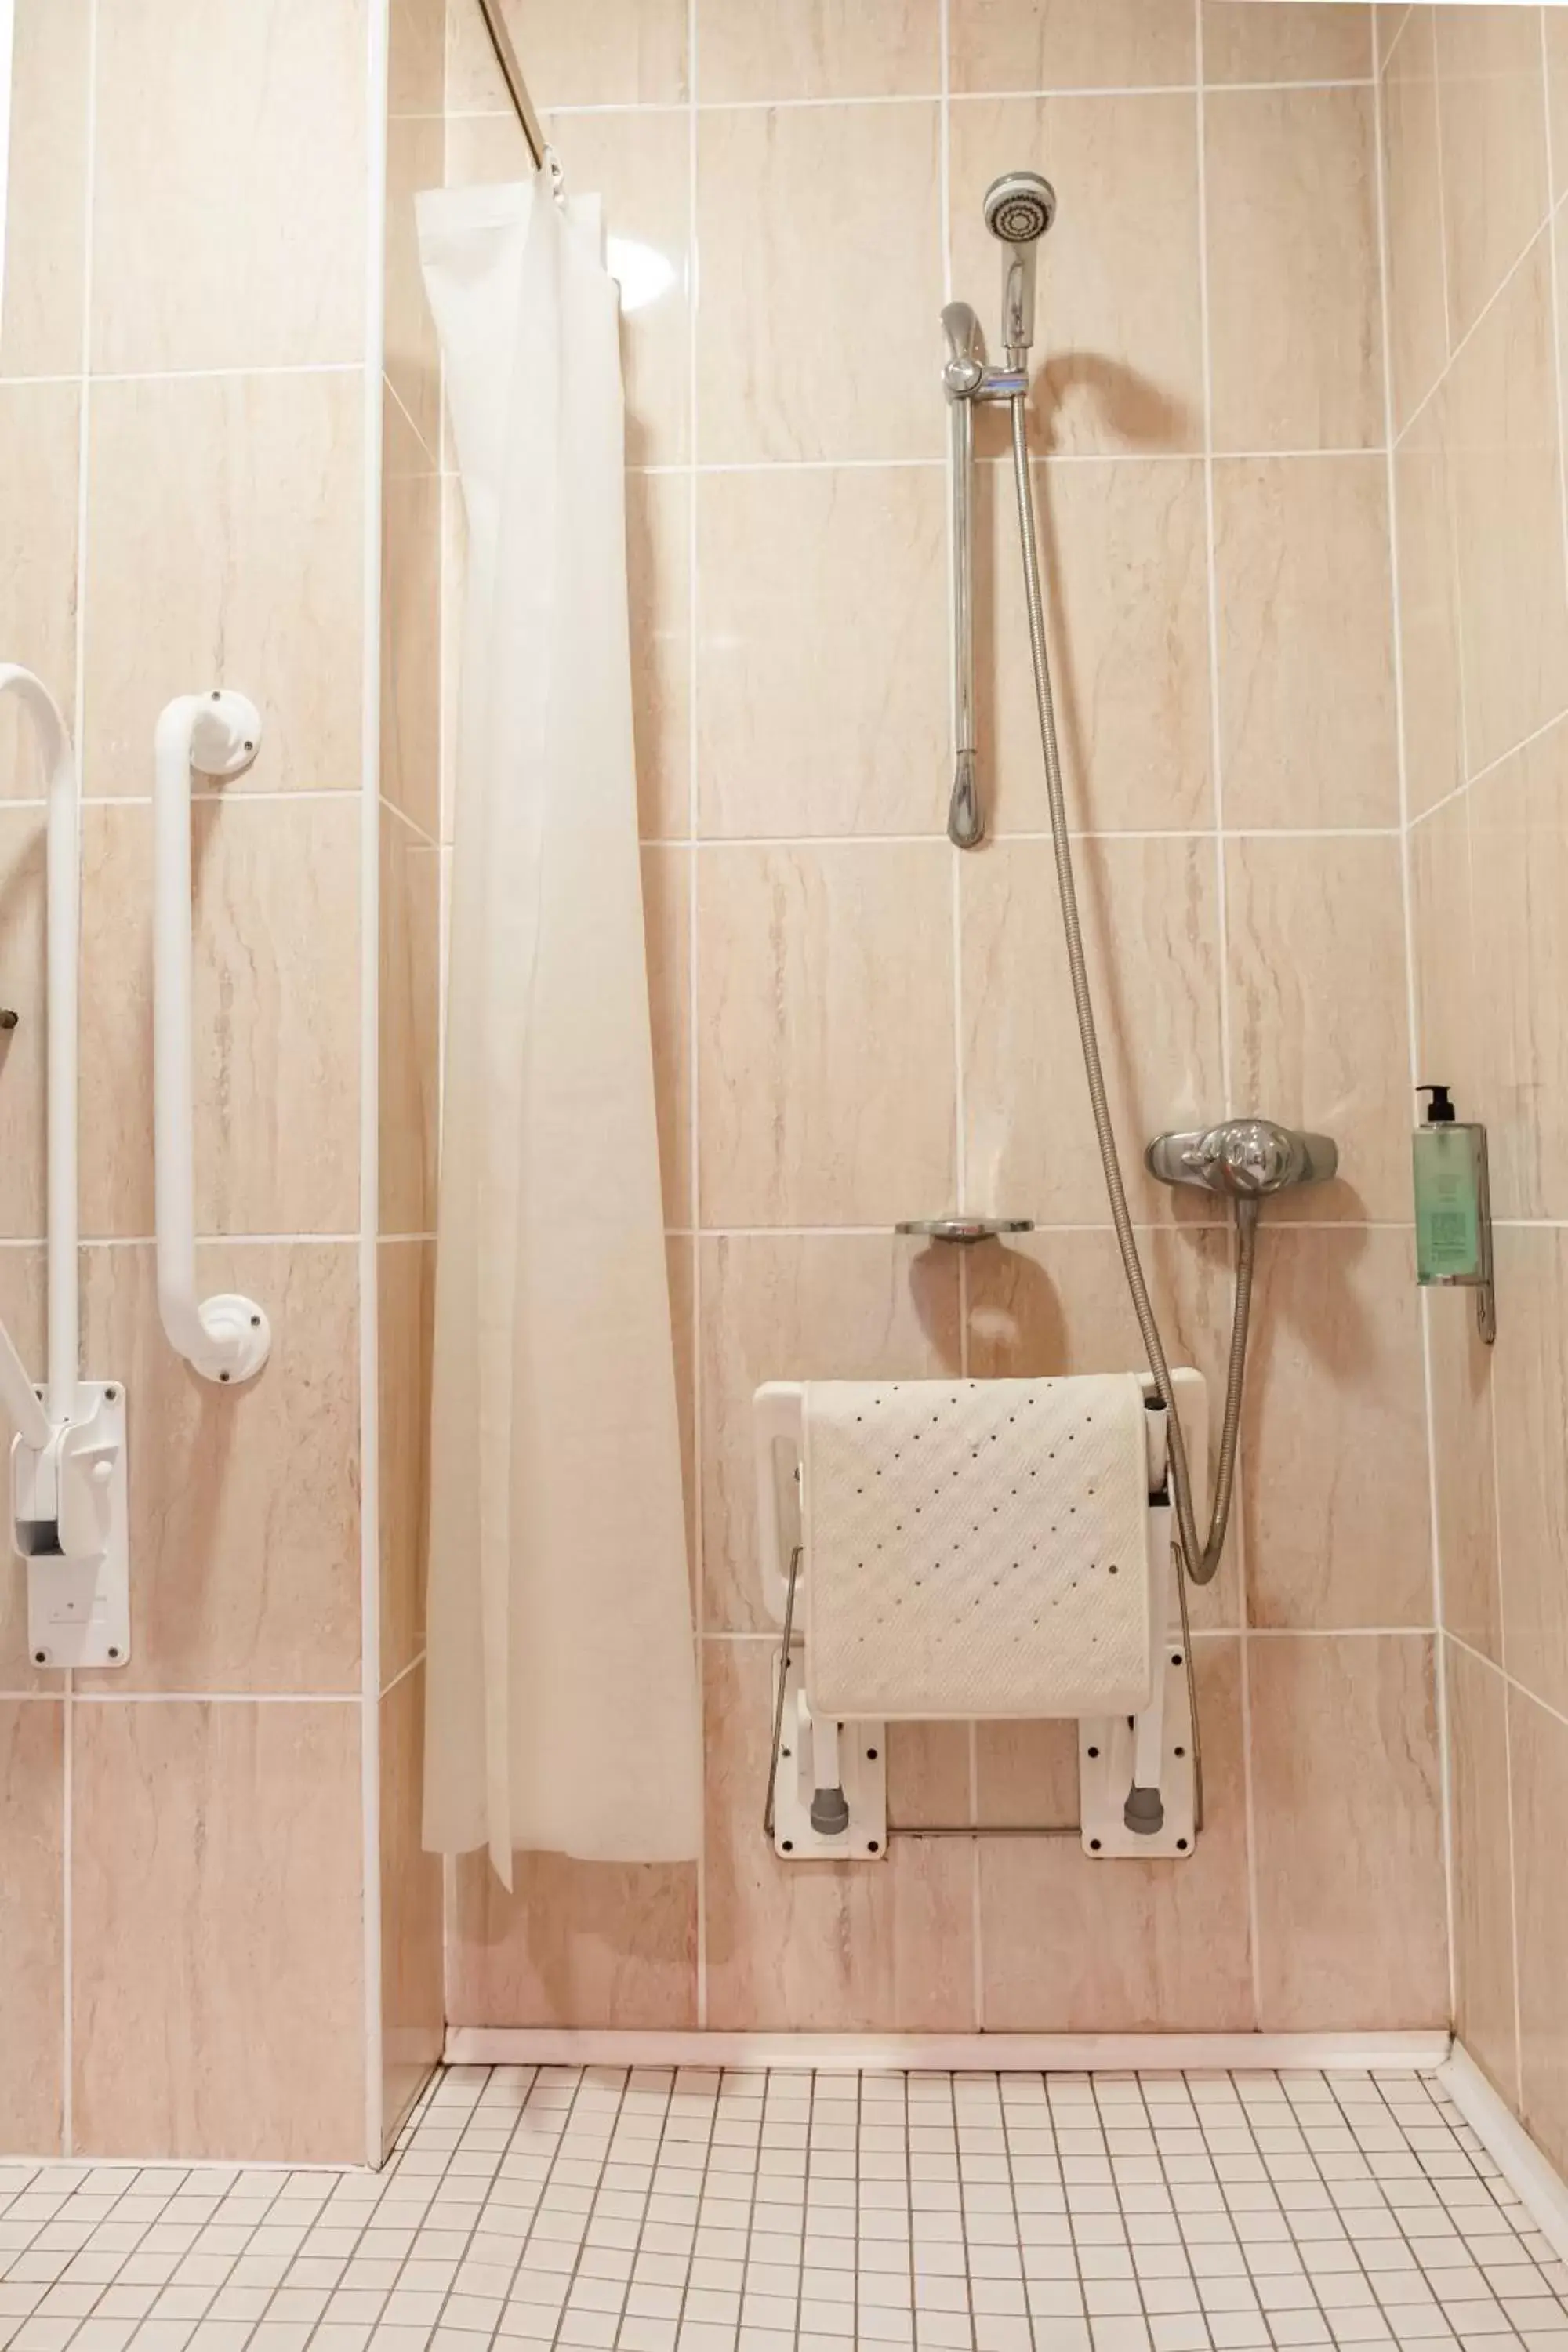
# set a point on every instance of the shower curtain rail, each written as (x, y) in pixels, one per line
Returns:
(511, 73)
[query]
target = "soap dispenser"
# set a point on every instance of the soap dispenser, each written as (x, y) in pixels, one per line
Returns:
(1453, 1207)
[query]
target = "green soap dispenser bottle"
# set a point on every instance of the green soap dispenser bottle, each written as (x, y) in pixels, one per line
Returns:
(1453, 1211)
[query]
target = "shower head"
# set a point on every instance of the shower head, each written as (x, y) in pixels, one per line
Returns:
(1019, 209)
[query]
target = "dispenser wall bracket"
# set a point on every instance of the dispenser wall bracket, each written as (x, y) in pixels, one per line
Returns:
(71, 1525)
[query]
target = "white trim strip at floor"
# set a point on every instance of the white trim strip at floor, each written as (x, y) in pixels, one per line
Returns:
(511, 2045)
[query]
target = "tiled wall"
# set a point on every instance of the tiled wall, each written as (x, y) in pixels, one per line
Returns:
(858, 1025)
(190, 340)
(409, 1035)
(1475, 104)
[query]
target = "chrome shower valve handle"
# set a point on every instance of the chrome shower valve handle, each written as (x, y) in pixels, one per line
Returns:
(1243, 1158)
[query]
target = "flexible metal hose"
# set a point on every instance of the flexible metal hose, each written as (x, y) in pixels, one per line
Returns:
(1201, 1558)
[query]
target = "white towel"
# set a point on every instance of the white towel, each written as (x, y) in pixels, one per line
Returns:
(976, 1547)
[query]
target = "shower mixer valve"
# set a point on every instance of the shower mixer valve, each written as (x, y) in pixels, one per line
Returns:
(1243, 1158)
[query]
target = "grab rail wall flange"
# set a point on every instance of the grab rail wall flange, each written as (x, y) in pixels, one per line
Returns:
(226, 1338)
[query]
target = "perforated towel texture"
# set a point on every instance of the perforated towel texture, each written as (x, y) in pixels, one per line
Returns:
(977, 1549)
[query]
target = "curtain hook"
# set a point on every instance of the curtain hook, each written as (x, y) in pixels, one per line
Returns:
(551, 165)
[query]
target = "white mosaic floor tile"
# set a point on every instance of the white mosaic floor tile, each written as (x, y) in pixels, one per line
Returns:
(694, 2210)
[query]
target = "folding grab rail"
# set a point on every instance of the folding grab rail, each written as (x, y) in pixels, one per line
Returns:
(68, 1497)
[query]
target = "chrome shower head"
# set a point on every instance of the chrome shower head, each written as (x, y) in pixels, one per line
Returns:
(1019, 209)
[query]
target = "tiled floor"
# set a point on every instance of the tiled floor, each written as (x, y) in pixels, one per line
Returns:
(703, 2211)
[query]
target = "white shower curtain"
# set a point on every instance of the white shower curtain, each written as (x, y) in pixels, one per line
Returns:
(562, 1699)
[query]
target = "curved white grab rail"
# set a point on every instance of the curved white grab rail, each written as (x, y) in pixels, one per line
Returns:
(224, 1337)
(64, 921)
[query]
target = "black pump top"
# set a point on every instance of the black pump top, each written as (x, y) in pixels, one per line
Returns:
(1440, 1109)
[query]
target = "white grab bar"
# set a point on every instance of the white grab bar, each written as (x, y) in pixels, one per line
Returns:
(63, 918)
(224, 1337)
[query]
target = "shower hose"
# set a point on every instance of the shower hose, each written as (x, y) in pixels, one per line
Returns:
(1200, 1555)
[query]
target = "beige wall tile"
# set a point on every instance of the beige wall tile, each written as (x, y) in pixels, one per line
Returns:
(217, 1959)
(1118, 364)
(928, 1773)
(830, 49)
(244, 1502)
(1500, 422)
(1412, 169)
(46, 253)
(1483, 1876)
(407, 1109)
(1431, 662)
(1519, 855)
(1029, 1136)
(658, 590)
(38, 445)
(666, 918)
(410, 625)
(1448, 1019)
(1335, 1502)
(806, 727)
(776, 190)
(1319, 1035)
(416, 58)
(1555, 34)
(640, 165)
(224, 549)
(23, 991)
(1292, 270)
(411, 357)
(576, 1943)
(1463, 1472)
(1306, 650)
(32, 1926)
(1530, 1376)
(1075, 1945)
(1292, 41)
(1351, 1924)
(485, 146)
(825, 979)
(23, 1313)
(1492, 124)
(839, 1948)
(260, 263)
(680, 1266)
(1060, 45)
(617, 53)
(406, 1315)
(274, 1025)
(1540, 1753)
(1051, 1302)
(801, 1306)
(412, 2010)
(1124, 553)
(1026, 1775)
(1390, 18)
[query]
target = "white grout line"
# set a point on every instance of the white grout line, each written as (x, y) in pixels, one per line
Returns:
(693, 610)
(956, 857)
(190, 375)
(1445, 1757)
(1211, 552)
(1040, 461)
(402, 1674)
(848, 103)
(1488, 306)
(78, 717)
(1553, 275)
(376, 93)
